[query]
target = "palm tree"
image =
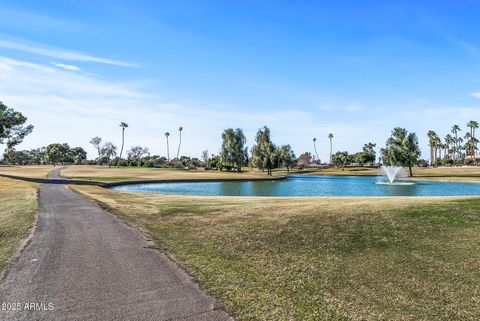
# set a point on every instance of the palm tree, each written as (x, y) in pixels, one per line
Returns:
(123, 126)
(469, 149)
(448, 141)
(473, 125)
(168, 147)
(330, 136)
(431, 138)
(315, 147)
(180, 141)
(455, 130)
(438, 148)
(459, 147)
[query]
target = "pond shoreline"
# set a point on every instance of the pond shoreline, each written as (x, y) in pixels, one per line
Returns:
(200, 180)
(301, 186)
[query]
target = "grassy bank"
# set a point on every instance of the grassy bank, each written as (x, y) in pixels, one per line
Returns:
(18, 207)
(113, 174)
(320, 258)
(104, 174)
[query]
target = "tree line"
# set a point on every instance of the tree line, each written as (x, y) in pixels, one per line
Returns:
(265, 155)
(234, 154)
(52, 154)
(401, 148)
(454, 149)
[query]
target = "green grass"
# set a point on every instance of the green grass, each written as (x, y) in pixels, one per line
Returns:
(320, 258)
(18, 207)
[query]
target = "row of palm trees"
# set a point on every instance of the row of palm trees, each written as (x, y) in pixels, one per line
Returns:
(453, 145)
(124, 125)
(330, 137)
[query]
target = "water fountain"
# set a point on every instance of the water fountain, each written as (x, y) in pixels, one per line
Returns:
(392, 173)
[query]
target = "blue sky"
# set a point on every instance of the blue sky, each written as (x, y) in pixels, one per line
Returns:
(304, 68)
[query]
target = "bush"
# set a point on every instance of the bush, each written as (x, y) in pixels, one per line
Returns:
(422, 163)
(447, 162)
(149, 163)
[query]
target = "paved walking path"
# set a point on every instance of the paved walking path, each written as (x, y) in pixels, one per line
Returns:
(86, 264)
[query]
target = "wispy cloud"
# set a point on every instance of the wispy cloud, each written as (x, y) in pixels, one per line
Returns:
(59, 53)
(65, 66)
(77, 106)
(475, 94)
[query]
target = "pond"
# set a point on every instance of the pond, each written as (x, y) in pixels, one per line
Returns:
(309, 186)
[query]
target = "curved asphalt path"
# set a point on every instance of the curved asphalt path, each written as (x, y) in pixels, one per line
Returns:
(91, 266)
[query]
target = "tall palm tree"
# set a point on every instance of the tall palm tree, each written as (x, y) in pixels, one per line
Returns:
(438, 148)
(473, 125)
(448, 141)
(469, 149)
(180, 141)
(315, 147)
(330, 136)
(168, 147)
(459, 147)
(455, 130)
(123, 126)
(431, 138)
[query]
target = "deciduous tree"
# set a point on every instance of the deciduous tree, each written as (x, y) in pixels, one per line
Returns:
(12, 126)
(401, 149)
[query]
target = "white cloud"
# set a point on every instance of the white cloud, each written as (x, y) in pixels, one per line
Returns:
(58, 53)
(475, 94)
(65, 66)
(73, 107)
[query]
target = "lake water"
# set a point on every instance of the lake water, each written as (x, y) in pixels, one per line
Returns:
(309, 186)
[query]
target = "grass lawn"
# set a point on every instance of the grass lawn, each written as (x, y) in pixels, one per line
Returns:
(454, 174)
(319, 258)
(104, 174)
(113, 174)
(18, 207)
